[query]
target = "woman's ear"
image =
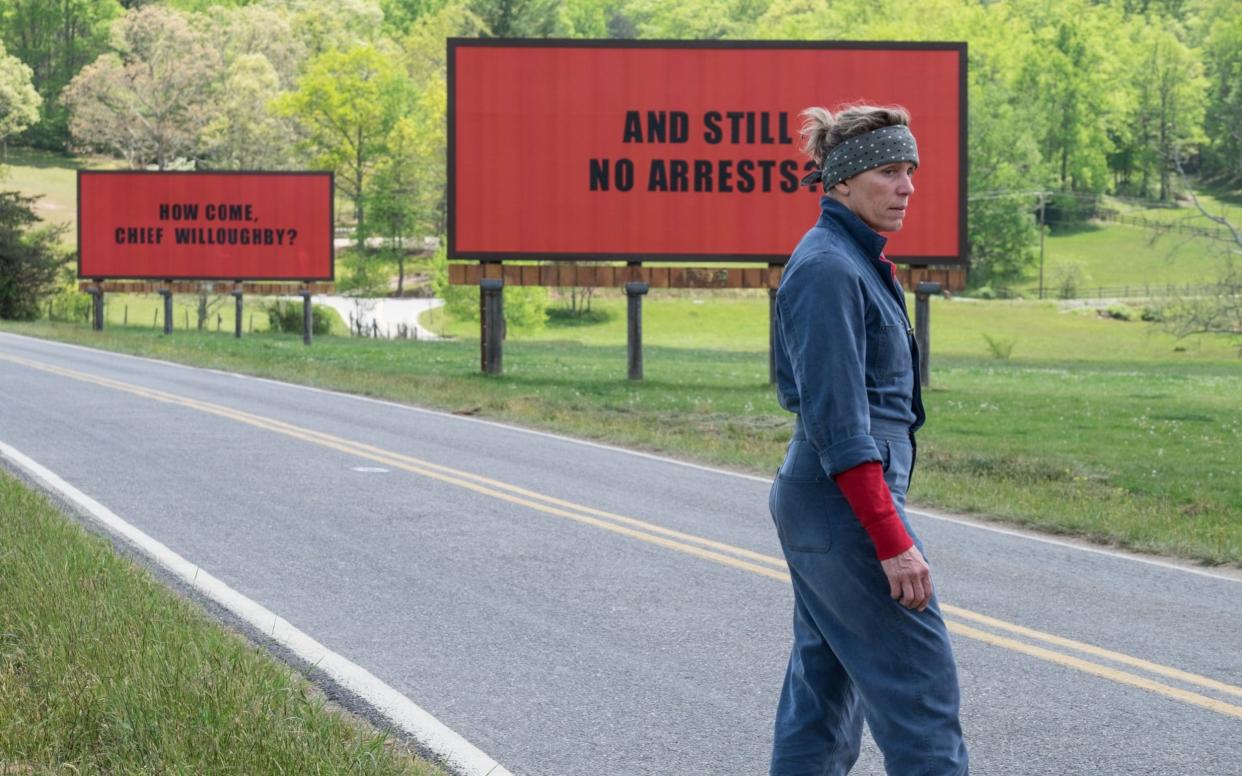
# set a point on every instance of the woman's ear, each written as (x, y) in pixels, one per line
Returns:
(842, 188)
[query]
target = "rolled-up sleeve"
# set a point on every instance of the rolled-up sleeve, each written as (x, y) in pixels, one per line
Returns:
(822, 323)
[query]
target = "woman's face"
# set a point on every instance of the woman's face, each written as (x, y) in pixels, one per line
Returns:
(879, 196)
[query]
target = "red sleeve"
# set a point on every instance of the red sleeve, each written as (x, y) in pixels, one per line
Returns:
(872, 502)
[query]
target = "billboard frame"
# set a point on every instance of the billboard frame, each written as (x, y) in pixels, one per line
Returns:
(330, 277)
(453, 44)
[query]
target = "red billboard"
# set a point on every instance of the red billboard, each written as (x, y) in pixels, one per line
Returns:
(205, 225)
(688, 150)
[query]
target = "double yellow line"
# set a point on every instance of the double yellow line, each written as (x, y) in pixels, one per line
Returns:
(1099, 662)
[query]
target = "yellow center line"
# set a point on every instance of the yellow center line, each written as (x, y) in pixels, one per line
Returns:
(1091, 649)
(1106, 672)
(768, 566)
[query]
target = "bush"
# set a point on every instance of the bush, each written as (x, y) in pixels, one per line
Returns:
(1152, 314)
(30, 257)
(1119, 312)
(286, 316)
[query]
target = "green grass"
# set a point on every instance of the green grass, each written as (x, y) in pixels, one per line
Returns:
(1093, 427)
(53, 177)
(1119, 255)
(738, 321)
(103, 670)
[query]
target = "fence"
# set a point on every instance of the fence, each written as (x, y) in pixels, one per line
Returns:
(1139, 291)
(1206, 232)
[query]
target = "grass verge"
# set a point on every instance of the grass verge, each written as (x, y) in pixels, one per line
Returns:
(1132, 448)
(103, 670)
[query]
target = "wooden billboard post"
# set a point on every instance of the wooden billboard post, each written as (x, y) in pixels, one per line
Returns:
(922, 327)
(491, 325)
(634, 293)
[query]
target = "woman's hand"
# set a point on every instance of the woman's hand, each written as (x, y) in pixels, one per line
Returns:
(909, 579)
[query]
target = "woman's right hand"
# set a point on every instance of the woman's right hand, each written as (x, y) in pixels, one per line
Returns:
(909, 579)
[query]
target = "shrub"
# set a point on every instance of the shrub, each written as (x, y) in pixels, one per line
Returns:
(30, 258)
(1119, 312)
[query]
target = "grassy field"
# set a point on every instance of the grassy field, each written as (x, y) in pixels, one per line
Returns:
(103, 671)
(1096, 427)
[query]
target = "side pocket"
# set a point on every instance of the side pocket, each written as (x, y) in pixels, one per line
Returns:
(800, 509)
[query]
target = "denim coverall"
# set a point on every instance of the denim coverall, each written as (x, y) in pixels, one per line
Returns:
(846, 365)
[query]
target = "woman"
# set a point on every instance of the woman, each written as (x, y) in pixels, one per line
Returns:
(868, 636)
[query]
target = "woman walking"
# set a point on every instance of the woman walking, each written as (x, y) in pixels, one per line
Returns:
(869, 640)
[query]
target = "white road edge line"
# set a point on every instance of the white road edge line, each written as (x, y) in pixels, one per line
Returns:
(662, 459)
(458, 753)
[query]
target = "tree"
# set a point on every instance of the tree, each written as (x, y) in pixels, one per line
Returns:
(55, 39)
(393, 195)
(1218, 310)
(327, 25)
(519, 18)
(244, 134)
(1171, 93)
(19, 102)
(347, 103)
(1222, 52)
(149, 101)
(30, 257)
(1074, 84)
(267, 31)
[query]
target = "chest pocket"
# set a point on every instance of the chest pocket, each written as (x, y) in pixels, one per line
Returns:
(888, 352)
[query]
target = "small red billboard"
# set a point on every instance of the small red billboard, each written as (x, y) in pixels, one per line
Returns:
(637, 150)
(205, 225)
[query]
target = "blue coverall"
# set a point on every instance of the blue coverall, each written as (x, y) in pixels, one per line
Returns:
(846, 365)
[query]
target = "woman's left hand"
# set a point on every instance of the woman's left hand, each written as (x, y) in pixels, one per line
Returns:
(909, 579)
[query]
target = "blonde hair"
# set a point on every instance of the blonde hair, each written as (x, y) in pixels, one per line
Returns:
(822, 131)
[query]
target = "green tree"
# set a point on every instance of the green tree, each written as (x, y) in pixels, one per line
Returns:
(264, 30)
(30, 257)
(1171, 93)
(347, 103)
(393, 195)
(519, 18)
(704, 20)
(55, 39)
(19, 102)
(1222, 52)
(149, 101)
(1075, 81)
(244, 134)
(400, 15)
(327, 25)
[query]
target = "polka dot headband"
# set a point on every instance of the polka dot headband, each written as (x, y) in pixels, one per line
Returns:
(863, 152)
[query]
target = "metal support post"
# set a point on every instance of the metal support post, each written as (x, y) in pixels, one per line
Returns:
(634, 329)
(237, 311)
(493, 324)
(167, 294)
(308, 318)
(97, 303)
(922, 327)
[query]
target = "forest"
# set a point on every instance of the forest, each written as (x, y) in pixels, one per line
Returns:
(1069, 100)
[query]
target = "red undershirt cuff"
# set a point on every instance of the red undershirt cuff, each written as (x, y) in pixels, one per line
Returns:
(868, 495)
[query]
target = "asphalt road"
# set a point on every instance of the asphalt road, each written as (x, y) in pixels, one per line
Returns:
(573, 609)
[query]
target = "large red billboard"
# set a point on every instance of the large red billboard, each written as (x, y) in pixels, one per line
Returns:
(205, 225)
(679, 149)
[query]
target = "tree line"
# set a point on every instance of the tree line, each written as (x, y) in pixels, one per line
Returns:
(1075, 97)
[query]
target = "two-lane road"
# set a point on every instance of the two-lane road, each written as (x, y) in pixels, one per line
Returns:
(575, 609)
